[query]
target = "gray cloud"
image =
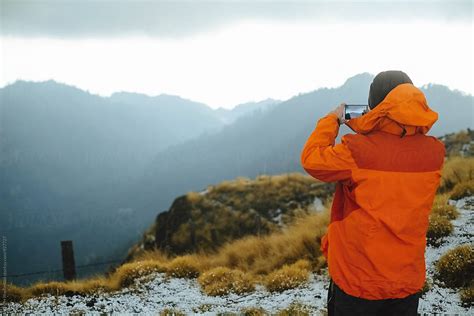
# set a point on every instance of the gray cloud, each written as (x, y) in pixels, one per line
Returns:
(86, 18)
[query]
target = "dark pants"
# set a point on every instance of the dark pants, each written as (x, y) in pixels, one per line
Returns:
(342, 304)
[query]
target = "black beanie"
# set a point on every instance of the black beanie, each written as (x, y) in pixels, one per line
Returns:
(383, 83)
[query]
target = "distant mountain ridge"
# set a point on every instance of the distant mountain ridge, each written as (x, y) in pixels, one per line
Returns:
(226, 116)
(230, 115)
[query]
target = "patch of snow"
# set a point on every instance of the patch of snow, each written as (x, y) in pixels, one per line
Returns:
(203, 192)
(318, 205)
(277, 217)
(466, 148)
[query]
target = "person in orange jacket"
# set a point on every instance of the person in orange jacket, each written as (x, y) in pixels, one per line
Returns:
(387, 175)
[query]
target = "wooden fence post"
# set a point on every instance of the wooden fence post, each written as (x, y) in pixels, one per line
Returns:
(69, 266)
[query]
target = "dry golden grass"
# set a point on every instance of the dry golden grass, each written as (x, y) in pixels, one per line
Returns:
(288, 276)
(238, 184)
(256, 255)
(126, 274)
(439, 227)
(76, 287)
(53, 288)
(194, 197)
(254, 311)
(262, 255)
(295, 309)
(442, 208)
(223, 280)
(456, 170)
(462, 189)
(12, 293)
(467, 295)
(171, 312)
(187, 266)
(426, 286)
(456, 267)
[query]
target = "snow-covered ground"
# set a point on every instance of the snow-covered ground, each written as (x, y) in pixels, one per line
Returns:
(440, 299)
(154, 293)
(184, 294)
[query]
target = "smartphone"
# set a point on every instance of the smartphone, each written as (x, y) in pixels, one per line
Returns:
(355, 110)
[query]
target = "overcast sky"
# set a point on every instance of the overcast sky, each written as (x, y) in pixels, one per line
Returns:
(229, 52)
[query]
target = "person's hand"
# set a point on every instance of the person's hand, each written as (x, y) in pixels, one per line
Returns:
(339, 111)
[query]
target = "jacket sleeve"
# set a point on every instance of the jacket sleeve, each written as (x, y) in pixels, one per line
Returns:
(321, 158)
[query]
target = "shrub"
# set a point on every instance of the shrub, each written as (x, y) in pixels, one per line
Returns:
(194, 197)
(462, 189)
(222, 280)
(467, 295)
(438, 228)
(288, 276)
(456, 267)
(456, 170)
(253, 311)
(171, 312)
(126, 274)
(442, 208)
(426, 286)
(89, 286)
(186, 266)
(75, 287)
(295, 309)
(203, 308)
(12, 292)
(53, 288)
(447, 211)
(319, 264)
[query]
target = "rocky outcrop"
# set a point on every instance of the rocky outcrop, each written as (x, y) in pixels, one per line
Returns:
(233, 209)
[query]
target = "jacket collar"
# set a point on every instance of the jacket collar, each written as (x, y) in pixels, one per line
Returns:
(404, 111)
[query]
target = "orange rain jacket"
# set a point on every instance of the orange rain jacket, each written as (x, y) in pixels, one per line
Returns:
(387, 175)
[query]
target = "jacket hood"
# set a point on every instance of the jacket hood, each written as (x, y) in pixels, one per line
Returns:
(404, 111)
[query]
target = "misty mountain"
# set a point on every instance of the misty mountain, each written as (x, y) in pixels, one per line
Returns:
(230, 115)
(65, 156)
(173, 106)
(46, 120)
